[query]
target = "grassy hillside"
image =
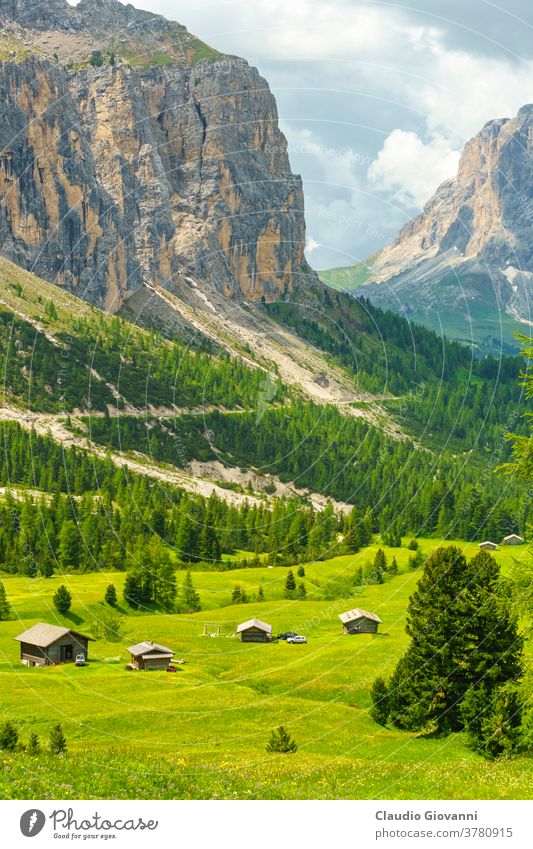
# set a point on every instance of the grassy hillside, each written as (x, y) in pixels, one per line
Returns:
(202, 732)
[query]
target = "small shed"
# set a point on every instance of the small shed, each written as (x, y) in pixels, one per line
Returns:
(47, 645)
(149, 655)
(255, 631)
(360, 621)
(513, 539)
(488, 545)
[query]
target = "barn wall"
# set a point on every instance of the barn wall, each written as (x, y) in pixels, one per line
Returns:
(254, 635)
(361, 626)
(31, 654)
(78, 645)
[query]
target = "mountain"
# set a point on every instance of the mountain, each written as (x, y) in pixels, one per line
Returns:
(465, 264)
(134, 155)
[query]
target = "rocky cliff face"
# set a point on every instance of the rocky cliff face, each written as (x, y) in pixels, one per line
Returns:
(132, 154)
(472, 246)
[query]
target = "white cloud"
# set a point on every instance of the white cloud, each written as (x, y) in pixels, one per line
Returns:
(410, 170)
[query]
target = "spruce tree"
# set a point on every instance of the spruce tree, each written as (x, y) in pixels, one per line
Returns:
(5, 607)
(58, 742)
(34, 746)
(189, 598)
(302, 592)
(260, 593)
(281, 741)
(9, 736)
(463, 636)
(380, 701)
(62, 599)
(290, 585)
(111, 595)
(301, 572)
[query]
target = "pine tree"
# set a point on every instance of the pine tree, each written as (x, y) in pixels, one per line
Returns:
(189, 597)
(380, 701)
(301, 572)
(393, 568)
(9, 736)
(58, 742)
(281, 741)
(290, 585)
(34, 746)
(260, 593)
(69, 546)
(302, 592)
(62, 599)
(5, 607)
(111, 595)
(463, 636)
(236, 596)
(133, 591)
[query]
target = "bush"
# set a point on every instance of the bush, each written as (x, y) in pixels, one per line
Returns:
(281, 741)
(9, 736)
(412, 545)
(58, 743)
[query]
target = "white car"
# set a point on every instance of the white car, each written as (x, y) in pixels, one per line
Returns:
(80, 659)
(297, 639)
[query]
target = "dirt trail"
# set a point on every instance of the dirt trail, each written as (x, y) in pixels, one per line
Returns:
(240, 328)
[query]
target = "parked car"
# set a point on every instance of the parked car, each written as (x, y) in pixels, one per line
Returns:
(297, 639)
(287, 635)
(80, 659)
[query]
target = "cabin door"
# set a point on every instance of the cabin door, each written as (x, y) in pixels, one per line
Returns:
(66, 653)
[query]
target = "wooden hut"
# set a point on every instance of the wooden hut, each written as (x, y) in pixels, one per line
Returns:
(148, 655)
(513, 539)
(360, 621)
(46, 645)
(487, 545)
(255, 631)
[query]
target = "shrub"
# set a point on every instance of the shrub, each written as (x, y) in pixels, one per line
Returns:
(281, 741)
(412, 545)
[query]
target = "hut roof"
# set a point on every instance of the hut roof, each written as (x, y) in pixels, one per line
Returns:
(488, 542)
(151, 649)
(513, 536)
(358, 613)
(43, 635)
(255, 623)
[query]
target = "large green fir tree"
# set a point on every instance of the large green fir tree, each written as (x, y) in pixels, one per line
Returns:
(463, 637)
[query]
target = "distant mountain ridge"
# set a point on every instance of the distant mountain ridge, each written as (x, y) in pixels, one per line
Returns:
(469, 255)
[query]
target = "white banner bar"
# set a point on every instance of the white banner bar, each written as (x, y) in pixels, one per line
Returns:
(267, 825)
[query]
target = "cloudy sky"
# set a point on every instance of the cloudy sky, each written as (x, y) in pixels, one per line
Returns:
(375, 98)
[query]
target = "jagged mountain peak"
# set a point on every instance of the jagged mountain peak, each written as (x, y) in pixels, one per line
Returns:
(469, 254)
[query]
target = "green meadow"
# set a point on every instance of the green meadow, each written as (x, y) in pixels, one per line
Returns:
(202, 732)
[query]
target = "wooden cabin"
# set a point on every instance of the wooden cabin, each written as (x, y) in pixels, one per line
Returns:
(513, 539)
(47, 645)
(360, 621)
(487, 545)
(255, 631)
(148, 655)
